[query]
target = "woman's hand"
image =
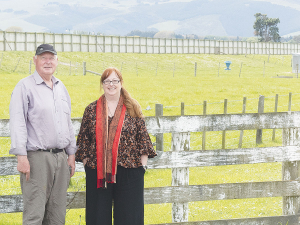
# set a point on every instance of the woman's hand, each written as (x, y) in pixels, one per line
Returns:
(84, 161)
(144, 160)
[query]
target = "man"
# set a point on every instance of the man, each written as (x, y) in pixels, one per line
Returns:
(43, 140)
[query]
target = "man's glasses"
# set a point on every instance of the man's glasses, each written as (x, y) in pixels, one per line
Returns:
(107, 82)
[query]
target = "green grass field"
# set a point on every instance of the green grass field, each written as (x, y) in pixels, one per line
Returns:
(152, 79)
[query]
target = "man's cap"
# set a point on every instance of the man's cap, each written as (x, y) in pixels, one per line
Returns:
(45, 48)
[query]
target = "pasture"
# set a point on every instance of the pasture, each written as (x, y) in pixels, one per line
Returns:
(170, 80)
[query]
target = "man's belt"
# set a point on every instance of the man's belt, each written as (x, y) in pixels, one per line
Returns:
(52, 150)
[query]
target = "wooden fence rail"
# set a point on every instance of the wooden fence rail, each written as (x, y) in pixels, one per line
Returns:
(180, 159)
(27, 41)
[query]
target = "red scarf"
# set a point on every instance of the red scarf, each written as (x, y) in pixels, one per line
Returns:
(107, 141)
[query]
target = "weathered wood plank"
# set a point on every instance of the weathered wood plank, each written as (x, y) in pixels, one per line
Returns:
(221, 191)
(274, 220)
(13, 203)
(199, 123)
(173, 124)
(5, 132)
(4, 128)
(8, 166)
(222, 157)
(290, 171)
(170, 124)
(180, 176)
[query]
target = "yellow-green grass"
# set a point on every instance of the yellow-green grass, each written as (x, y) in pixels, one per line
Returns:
(170, 88)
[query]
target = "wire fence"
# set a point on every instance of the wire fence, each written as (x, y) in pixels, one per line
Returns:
(205, 66)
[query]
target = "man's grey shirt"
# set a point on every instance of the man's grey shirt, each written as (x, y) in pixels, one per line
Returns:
(40, 117)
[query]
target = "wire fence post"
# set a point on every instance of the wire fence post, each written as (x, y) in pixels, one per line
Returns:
(70, 68)
(242, 131)
(241, 69)
(275, 110)
(204, 132)
(84, 68)
(195, 69)
(159, 137)
(290, 102)
(30, 63)
(182, 109)
(261, 103)
(224, 131)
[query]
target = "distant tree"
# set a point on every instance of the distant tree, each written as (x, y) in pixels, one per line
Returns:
(294, 39)
(141, 33)
(266, 28)
(165, 34)
(179, 36)
(14, 29)
(252, 39)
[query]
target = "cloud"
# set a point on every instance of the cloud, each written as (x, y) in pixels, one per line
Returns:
(288, 3)
(21, 12)
(8, 10)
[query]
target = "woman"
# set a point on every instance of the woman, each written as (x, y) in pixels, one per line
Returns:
(114, 145)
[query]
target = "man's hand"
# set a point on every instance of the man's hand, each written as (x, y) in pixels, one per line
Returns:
(71, 163)
(23, 165)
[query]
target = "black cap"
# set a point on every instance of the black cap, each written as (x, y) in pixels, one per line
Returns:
(45, 48)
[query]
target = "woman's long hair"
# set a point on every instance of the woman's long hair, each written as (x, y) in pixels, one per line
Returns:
(132, 105)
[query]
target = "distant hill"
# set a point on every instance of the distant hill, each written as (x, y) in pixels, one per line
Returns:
(200, 17)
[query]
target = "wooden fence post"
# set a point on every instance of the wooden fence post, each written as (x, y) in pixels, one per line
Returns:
(84, 68)
(242, 131)
(180, 176)
(290, 171)
(204, 132)
(224, 131)
(4, 41)
(195, 69)
(261, 102)
(25, 44)
(182, 109)
(275, 110)
(290, 102)
(159, 137)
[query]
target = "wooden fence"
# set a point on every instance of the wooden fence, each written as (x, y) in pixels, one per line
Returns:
(180, 159)
(26, 41)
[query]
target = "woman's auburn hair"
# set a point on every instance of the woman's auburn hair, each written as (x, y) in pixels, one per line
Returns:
(132, 105)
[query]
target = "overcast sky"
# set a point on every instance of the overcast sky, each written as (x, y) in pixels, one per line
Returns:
(17, 12)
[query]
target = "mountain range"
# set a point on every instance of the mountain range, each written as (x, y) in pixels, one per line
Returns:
(200, 17)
